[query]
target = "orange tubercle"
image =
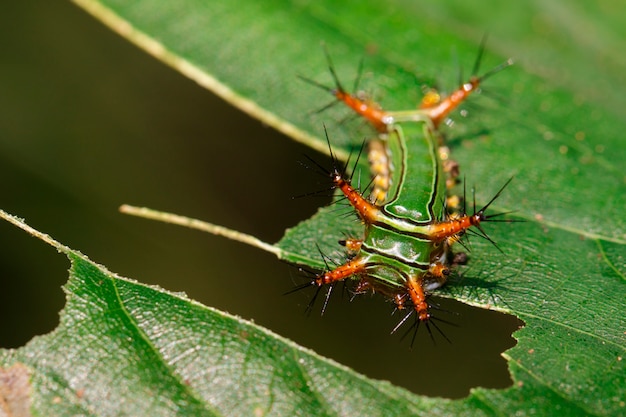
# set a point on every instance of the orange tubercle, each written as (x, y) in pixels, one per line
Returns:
(418, 297)
(353, 267)
(439, 111)
(351, 244)
(368, 110)
(367, 211)
(430, 99)
(439, 271)
(453, 227)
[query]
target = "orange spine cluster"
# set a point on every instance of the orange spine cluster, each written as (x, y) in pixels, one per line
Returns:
(367, 211)
(353, 267)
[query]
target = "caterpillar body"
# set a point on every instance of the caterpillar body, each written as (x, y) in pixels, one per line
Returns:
(405, 251)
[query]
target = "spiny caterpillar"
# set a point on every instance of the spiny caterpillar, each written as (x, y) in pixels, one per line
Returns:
(405, 251)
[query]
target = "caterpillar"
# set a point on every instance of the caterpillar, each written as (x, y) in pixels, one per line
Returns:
(405, 251)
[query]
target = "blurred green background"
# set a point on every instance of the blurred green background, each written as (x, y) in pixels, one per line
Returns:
(89, 122)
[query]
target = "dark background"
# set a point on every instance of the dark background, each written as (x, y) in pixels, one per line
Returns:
(89, 122)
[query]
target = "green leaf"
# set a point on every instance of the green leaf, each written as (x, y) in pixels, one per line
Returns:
(125, 348)
(559, 131)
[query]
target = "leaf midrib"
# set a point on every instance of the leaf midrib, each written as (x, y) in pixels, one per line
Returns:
(186, 387)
